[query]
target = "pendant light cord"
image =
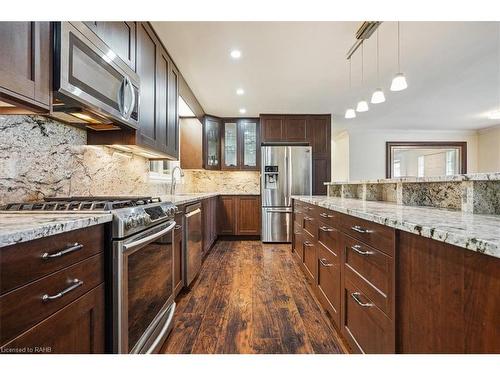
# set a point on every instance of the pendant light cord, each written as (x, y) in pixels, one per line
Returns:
(399, 51)
(362, 62)
(378, 70)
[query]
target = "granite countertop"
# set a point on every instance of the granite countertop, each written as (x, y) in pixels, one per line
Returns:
(475, 232)
(493, 176)
(21, 227)
(184, 198)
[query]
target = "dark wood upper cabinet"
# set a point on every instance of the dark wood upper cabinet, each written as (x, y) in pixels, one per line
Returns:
(211, 142)
(149, 71)
(231, 143)
(172, 141)
(119, 36)
(25, 64)
(295, 128)
(272, 128)
(318, 130)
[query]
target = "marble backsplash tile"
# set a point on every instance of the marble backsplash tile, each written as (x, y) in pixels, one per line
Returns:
(41, 157)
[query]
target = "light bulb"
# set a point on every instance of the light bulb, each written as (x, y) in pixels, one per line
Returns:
(495, 115)
(235, 54)
(362, 106)
(378, 96)
(240, 92)
(243, 110)
(399, 82)
(350, 113)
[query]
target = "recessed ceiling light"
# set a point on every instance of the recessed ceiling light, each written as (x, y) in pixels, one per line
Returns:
(235, 54)
(240, 91)
(495, 115)
(243, 110)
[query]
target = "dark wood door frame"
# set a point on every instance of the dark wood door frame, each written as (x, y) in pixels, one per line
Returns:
(461, 145)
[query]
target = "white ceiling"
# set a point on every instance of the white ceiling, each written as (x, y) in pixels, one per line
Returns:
(452, 69)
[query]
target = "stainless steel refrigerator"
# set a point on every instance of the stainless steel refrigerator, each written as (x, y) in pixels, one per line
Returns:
(286, 171)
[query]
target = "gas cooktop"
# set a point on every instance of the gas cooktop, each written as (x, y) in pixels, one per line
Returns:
(82, 203)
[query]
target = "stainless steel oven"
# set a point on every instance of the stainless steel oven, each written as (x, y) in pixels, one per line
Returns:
(91, 83)
(143, 289)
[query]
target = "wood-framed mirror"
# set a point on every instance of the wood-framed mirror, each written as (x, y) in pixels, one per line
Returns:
(425, 159)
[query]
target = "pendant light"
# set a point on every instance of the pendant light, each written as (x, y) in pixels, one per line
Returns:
(378, 95)
(495, 115)
(350, 112)
(399, 80)
(362, 104)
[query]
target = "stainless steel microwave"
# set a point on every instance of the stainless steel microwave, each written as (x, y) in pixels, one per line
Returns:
(92, 84)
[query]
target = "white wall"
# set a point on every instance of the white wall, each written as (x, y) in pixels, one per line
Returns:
(340, 157)
(366, 150)
(489, 150)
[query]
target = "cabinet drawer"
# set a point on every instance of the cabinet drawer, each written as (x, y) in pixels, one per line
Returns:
(373, 234)
(78, 328)
(309, 246)
(329, 238)
(24, 262)
(364, 325)
(311, 225)
(372, 271)
(298, 245)
(328, 282)
(298, 214)
(328, 217)
(24, 307)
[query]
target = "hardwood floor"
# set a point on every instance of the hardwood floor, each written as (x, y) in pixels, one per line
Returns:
(251, 298)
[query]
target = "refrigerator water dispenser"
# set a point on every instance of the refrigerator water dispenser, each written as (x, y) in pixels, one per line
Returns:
(271, 177)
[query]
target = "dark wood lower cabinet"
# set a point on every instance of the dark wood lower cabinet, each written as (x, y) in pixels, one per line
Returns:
(75, 329)
(178, 254)
(447, 299)
(390, 291)
(209, 209)
(239, 215)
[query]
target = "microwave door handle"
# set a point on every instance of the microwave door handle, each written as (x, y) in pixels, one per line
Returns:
(132, 99)
(135, 245)
(121, 96)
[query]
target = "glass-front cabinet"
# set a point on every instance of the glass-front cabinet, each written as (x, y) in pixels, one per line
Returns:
(231, 143)
(211, 143)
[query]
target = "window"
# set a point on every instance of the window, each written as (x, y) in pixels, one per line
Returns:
(421, 166)
(450, 162)
(162, 169)
(397, 168)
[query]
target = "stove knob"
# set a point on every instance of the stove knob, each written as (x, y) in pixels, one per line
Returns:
(146, 219)
(128, 223)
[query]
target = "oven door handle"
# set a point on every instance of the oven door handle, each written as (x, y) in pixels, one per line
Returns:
(139, 243)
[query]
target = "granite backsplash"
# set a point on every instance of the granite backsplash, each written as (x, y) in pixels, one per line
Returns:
(41, 157)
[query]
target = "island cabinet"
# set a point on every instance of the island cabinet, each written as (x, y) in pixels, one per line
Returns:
(313, 130)
(239, 215)
(25, 65)
(52, 294)
(178, 255)
(390, 291)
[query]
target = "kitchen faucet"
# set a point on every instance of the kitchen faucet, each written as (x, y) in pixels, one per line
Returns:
(174, 181)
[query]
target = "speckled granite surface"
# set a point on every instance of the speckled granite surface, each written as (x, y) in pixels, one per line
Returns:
(21, 227)
(492, 176)
(480, 233)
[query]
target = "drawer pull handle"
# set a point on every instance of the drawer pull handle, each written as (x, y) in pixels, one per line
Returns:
(177, 227)
(326, 229)
(308, 244)
(307, 218)
(357, 249)
(355, 296)
(324, 214)
(75, 247)
(296, 233)
(359, 229)
(75, 284)
(324, 263)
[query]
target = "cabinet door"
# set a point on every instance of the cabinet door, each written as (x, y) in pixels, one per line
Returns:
(25, 63)
(213, 219)
(272, 128)
(173, 112)
(295, 129)
(249, 215)
(78, 328)
(227, 215)
(211, 142)
(149, 131)
(249, 144)
(318, 130)
(328, 282)
(309, 262)
(119, 36)
(230, 145)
